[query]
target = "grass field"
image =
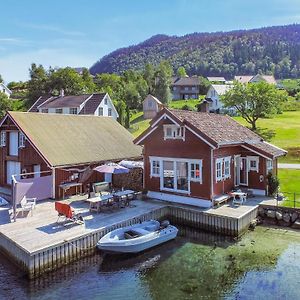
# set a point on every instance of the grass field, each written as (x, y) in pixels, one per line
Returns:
(290, 186)
(287, 133)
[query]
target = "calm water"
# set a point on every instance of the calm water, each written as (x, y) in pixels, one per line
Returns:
(264, 264)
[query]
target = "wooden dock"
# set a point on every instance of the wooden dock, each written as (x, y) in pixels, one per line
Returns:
(38, 245)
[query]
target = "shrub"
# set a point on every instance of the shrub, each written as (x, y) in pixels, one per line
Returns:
(273, 183)
(187, 107)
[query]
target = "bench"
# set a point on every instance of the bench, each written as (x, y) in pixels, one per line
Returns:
(220, 199)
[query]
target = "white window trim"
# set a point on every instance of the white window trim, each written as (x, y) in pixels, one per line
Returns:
(152, 160)
(200, 170)
(253, 158)
(269, 169)
(22, 139)
(219, 161)
(174, 129)
(227, 159)
(3, 139)
(174, 160)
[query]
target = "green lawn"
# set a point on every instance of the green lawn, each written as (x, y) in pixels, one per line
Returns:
(287, 133)
(290, 186)
(192, 103)
(138, 124)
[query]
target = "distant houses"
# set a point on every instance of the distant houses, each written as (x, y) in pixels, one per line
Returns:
(216, 80)
(185, 88)
(87, 104)
(4, 89)
(151, 107)
(256, 78)
(213, 96)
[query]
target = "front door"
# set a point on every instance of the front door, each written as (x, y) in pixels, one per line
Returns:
(243, 171)
(237, 170)
(12, 168)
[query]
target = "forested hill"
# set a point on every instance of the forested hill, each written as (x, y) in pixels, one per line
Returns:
(268, 50)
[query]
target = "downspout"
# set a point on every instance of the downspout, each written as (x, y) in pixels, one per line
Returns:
(212, 175)
(53, 183)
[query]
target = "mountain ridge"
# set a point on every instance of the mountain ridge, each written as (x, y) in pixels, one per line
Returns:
(270, 50)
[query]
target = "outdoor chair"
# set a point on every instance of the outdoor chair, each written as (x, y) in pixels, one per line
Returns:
(65, 211)
(27, 204)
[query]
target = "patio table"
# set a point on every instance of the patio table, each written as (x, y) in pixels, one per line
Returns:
(99, 201)
(242, 197)
(124, 194)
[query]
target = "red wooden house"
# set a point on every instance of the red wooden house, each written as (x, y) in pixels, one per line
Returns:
(195, 157)
(60, 145)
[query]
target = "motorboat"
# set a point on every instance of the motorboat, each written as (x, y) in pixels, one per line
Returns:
(137, 237)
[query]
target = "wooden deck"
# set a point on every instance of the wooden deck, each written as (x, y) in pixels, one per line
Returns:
(38, 244)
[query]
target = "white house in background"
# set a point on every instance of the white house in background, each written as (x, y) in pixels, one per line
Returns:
(87, 104)
(151, 107)
(4, 89)
(214, 94)
(217, 80)
(255, 78)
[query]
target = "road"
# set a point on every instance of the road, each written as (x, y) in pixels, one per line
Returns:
(289, 166)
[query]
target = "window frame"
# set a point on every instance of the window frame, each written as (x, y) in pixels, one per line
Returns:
(227, 160)
(177, 132)
(156, 167)
(268, 168)
(3, 137)
(44, 110)
(72, 110)
(193, 178)
(219, 161)
(59, 111)
(22, 140)
(109, 112)
(102, 111)
(253, 159)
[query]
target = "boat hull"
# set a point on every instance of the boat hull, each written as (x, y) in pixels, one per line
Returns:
(139, 244)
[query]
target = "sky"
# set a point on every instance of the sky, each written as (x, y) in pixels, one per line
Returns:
(77, 33)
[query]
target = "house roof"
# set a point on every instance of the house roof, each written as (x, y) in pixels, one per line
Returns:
(218, 130)
(92, 103)
(221, 89)
(65, 101)
(216, 78)
(246, 78)
(185, 81)
(38, 102)
(6, 88)
(150, 97)
(72, 140)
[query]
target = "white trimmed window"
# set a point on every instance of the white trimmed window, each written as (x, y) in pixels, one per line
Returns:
(3, 139)
(58, 111)
(269, 163)
(219, 169)
(155, 168)
(100, 111)
(172, 132)
(44, 110)
(73, 110)
(22, 140)
(196, 171)
(227, 167)
(253, 162)
(109, 112)
(105, 101)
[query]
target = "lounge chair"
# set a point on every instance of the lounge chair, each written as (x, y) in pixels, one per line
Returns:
(27, 204)
(65, 211)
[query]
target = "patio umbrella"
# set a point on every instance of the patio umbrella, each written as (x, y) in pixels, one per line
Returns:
(111, 168)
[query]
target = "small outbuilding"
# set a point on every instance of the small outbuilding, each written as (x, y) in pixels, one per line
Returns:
(151, 107)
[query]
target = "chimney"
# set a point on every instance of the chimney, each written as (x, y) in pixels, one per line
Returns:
(62, 93)
(204, 106)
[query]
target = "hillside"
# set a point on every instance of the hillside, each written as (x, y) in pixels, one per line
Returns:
(267, 50)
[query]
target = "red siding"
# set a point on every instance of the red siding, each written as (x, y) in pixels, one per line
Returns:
(191, 148)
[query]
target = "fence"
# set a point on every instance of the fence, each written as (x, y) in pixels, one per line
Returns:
(288, 199)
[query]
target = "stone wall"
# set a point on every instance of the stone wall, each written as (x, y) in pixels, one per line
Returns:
(132, 180)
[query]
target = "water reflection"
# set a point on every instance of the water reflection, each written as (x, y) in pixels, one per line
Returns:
(264, 263)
